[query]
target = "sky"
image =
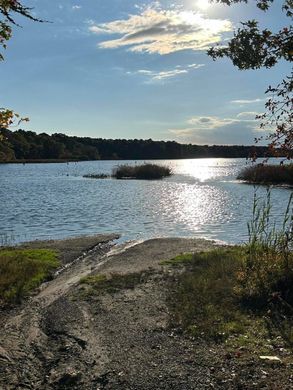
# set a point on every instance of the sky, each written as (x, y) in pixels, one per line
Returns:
(136, 69)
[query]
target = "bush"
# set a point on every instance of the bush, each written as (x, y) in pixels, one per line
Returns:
(268, 174)
(23, 270)
(145, 172)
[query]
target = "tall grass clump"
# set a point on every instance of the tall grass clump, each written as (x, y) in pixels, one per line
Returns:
(268, 174)
(268, 270)
(144, 172)
(22, 270)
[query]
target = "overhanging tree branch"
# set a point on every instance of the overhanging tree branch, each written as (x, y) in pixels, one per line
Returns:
(253, 48)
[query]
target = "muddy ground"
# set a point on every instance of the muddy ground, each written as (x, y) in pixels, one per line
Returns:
(62, 338)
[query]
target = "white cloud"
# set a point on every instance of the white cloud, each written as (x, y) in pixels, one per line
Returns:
(248, 115)
(216, 130)
(158, 76)
(210, 122)
(157, 30)
(76, 7)
(247, 101)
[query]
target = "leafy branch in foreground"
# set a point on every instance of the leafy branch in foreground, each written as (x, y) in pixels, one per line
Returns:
(8, 10)
(254, 48)
(9, 118)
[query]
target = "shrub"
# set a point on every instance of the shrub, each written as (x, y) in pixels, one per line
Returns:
(144, 171)
(23, 270)
(268, 174)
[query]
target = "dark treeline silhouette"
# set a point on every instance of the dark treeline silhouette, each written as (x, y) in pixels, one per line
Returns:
(26, 146)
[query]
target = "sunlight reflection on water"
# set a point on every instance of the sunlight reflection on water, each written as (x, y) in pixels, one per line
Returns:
(201, 199)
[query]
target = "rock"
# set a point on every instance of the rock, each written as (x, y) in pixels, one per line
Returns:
(271, 358)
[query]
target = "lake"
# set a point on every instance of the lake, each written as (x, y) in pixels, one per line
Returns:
(202, 199)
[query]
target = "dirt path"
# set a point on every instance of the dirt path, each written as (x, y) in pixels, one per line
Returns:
(64, 339)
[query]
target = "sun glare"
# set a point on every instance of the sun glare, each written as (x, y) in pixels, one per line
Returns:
(203, 4)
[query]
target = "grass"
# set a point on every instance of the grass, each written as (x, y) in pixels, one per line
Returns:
(268, 174)
(99, 283)
(23, 270)
(144, 171)
(268, 272)
(239, 292)
(97, 176)
(203, 300)
(184, 258)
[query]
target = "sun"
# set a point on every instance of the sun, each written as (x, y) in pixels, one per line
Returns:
(203, 4)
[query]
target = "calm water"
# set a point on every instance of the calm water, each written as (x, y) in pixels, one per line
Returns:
(202, 199)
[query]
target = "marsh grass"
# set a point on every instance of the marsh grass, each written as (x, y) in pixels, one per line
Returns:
(96, 176)
(268, 174)
(268, 271)
(239, 291)
(23, 270)
(143, 172)
(6, 240)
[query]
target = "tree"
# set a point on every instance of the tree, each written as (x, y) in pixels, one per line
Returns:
(8, 10)
(254, 48)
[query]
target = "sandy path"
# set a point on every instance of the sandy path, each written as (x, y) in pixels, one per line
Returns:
(23, 333)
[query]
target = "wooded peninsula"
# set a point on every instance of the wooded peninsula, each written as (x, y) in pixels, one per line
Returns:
(28, 146)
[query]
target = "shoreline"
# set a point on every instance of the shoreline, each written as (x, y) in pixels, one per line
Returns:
(67, 336)
(61, 161)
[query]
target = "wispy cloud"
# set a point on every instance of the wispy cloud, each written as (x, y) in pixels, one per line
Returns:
(248, 115)
(246, 101)
(157, 30)
(76, 7)
(163, 75)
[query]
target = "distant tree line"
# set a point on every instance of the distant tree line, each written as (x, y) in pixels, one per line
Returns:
(26, 145)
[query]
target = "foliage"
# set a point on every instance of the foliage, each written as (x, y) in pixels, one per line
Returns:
(9, 8)
(268, 270)
(27, 145)
(9, 118)
(253, 48)
(23, 270)
(144, 171)
(268, 174)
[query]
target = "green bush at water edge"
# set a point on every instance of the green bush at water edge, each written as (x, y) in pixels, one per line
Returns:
(23, 270)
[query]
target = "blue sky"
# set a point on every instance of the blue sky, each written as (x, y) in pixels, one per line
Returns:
(135, 69)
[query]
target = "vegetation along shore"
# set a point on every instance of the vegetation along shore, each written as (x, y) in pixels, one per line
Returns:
(27, 146)
(268, 174)
(141, 172)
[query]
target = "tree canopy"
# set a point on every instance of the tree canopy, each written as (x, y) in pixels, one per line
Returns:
(252, 48)
(23, 145)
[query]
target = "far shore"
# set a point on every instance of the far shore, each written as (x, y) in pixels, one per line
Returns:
(63, 161)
